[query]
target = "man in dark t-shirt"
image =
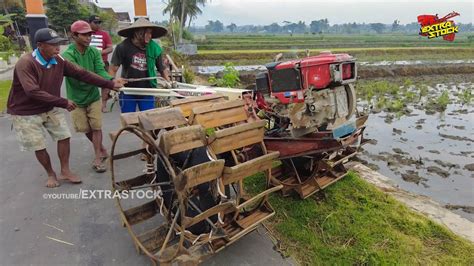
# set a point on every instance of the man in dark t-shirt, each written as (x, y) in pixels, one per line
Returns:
(134, 64)
(139, 55)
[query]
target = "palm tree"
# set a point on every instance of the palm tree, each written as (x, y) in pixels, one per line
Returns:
(232, 27)
(184, 10)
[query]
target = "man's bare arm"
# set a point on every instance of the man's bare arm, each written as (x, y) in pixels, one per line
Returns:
(165, 74)
(113, 70)
(107, 50)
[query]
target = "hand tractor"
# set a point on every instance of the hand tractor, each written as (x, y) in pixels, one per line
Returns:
(293, 132)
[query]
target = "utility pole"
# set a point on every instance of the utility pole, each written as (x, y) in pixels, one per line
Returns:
(140, 9)
(35, 18)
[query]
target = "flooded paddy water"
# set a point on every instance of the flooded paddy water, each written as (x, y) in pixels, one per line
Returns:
(424, 137)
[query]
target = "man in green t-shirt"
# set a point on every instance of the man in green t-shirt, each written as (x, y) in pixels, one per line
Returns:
(87, 117)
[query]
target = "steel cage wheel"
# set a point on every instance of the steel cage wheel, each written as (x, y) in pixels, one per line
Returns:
(154, 150)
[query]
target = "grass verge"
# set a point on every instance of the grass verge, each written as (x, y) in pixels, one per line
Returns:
(356, 223)
(4, 91)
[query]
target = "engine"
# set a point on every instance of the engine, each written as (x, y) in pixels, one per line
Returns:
(308, 95)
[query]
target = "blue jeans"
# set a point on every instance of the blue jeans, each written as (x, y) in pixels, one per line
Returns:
(128, 103)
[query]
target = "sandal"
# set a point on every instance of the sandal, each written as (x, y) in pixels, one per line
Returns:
(99, 168)
(104, 158)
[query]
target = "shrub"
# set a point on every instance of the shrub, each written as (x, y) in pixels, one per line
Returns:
(5, 44)
(230, 77)
(188, 75)
(116, 39)
(187, 35)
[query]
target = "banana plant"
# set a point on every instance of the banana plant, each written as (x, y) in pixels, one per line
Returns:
(5, 21)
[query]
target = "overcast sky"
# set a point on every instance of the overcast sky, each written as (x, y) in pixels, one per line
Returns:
(264, 12)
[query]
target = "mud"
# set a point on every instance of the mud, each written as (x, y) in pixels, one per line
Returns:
(412, 176)
(447, 164)
(415, 62)
(397, 131)
(399, 151)
(366, 163)
(463, 153)
(438, 171)
(398, 159)
(469, 167)
(413, 70)
(458, 138)
(468, 209)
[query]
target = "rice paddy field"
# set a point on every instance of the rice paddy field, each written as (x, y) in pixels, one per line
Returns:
(260, 49)
(308, 41)
(418, 93)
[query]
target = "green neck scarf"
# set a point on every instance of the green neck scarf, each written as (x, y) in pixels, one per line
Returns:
(153, 51)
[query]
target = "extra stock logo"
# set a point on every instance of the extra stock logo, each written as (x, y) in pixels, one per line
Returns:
(434, 27)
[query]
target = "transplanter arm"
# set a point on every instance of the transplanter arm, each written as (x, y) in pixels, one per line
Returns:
(161, 81)
(181, 90)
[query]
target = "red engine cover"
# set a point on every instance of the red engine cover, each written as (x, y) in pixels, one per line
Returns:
(315, 72)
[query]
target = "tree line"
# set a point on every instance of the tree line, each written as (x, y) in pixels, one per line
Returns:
(61, 14)
(316, 27)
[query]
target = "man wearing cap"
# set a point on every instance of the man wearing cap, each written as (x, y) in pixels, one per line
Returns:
(34, 102)
(102, 41)
(87, 117)
(139, 55)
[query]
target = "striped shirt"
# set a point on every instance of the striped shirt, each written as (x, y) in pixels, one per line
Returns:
(101, 40)
(97, 41)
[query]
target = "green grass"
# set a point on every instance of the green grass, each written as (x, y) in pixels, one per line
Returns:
(4, 91)
(356, 223)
